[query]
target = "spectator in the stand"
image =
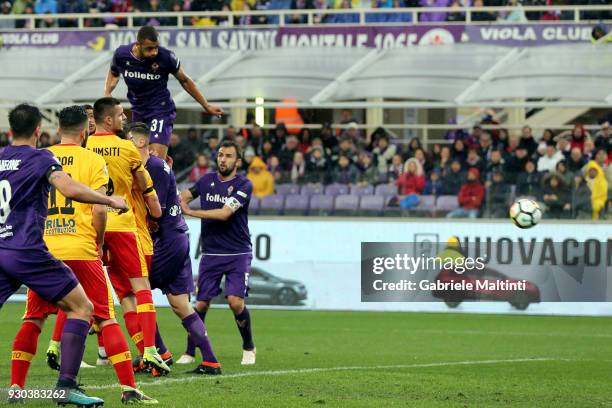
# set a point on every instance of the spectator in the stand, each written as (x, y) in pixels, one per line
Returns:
(4, 139)
(194, 141)
(180, 153)
(412, 180)
(287, 151)
(347, 148)
(454, 178)
(589, 149)
(454, 134)
(5, 9)
(472, 139)
(256, 139)
(279, 136)
(316, 166)
(580, 204)
(601, 158)
(247, 149)
(579, 136)
(433, 16)
(486, 145)
(413, 145)
(275, 169)
(496, 163)
(456, 11)
(473, 160)
(561, 170)
(368, 173)
(19, 7)
(470, 198)
(383, 153)
(45, 6)
(210, 150)
(230, 132)
(502, 139)
(576, 161)
(305, 140)
(345, 171)
(262, 179)
(444, 161)
(516, 163)
(603, 139)
(200, 168)
(555, 194)
(297, 171)
(563, 145)
(71, 7)
(44, 140)
(434, 186)
(547, 136)
(528, 182)
(246, 19)
(299, 5)
(598, 184)
(459, 151)
(321, 17)
(330, 141)
(345, 18)
(247, 159)
(548, 162)
(498, 196)
(395, 169)
(482, 15)
(528, 141)
(421, 157)
(516, 15)
(267, 149)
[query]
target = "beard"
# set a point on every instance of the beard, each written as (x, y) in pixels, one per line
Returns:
(227, 171)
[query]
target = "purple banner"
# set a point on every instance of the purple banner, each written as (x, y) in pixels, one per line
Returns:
(381, 37)
(526, 35)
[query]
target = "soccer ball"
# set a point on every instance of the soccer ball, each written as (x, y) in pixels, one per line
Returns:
(525, 213)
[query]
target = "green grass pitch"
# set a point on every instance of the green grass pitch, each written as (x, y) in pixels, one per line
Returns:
(357, 359)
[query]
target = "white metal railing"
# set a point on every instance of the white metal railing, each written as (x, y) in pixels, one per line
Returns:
(230, 18)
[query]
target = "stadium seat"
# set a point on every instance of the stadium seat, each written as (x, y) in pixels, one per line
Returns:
(371, 205)
(272, 205)
(346, 204)
(426, 205)
(254, 205)
(336, 189)
(321, 204)
(391, 211)
(287, 189)
(386, 189)
(312, 189)
(362, 191)
(445, 204)
(296, 204)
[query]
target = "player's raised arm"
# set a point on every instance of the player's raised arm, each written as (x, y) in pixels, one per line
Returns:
(80, 192)
(192, 89)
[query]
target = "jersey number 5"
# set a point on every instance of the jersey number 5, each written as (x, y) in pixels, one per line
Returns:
(5, 200)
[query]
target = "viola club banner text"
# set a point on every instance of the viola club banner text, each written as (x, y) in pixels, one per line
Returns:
(379, 37)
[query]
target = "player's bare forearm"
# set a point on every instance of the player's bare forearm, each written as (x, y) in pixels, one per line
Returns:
(192, 89)
(140, 182)
(152, 203)
(74, 190)
(111, 83)
(218, 214)
(99, 219)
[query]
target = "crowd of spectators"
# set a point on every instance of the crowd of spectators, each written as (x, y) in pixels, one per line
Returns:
(568, 172)
(455, 11)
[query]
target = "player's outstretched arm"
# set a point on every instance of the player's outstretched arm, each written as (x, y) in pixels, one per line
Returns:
(111, 83)
(80, 192)
(192, 89)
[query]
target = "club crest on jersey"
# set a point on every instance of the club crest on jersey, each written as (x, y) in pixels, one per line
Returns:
(229, 190)
(212, 184)
(155, 66)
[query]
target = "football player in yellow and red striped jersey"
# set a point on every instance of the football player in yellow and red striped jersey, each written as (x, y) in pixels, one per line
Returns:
(123, 253)
(74, 232)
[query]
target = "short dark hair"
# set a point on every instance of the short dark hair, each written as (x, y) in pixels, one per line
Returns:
(88, 107)
(23, 120)
(139, 128)
(147, 33)
(232, 143)
(103, 106)
(73, 118)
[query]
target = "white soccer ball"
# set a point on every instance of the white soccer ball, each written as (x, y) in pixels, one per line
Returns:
(525, 213)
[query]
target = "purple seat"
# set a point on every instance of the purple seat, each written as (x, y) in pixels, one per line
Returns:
(272, 204)
(254, 205)
(362, 191)
(337, 189)
(386, 189)
(321, 204)
(311, 189)
(296, 204)
(372, 204)
(446, 203)
(287, 189)
(427, 204)
(346, 204)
